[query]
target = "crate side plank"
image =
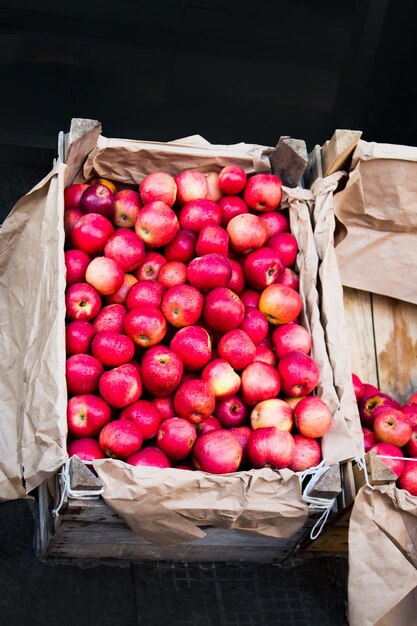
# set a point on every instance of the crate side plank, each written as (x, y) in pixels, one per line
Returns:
(359, 318)
(395, 323)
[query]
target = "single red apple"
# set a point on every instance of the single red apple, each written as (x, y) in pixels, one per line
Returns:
(255, 324)
(291, 338)
(370, 406)
(223, 310)
(86, 415)
(145, 325)
(214, 192)
(209, 271)
(217, 452)
(156, 224)
(158, 186)
(272, 412)
(193, 345)
(237, 348)
(173, 273)
(145, 292)
(270, 447)
(410, 412)
(182, 305)
(263, 267)
(232, 412)
(127, 204)
(191, 185)
(246, 232)
(260, 381)
(151, 456)
(76, 263)
(369, 439)
(98, 199)
(299, 374)
(408, 478)
(242, 434)
(286, 246)
(194, 400)
(357, 386)
(110, 317)
(161, 370)
(165, 406)
(112, 348)
(211, 423)
(119, 296)
(150, 268)
(72, 195)
(291, 279)
(263, 192)
(78, 336)
(385, 450)
(145, 415)
(312, 417)
(212, 238)
(280, 304)
(232, 179)
(121, 386)
(307, 453)
(265, 355)
(222, 378)
(71, 217)
(90, 233)
(105, 275)
(198, 213)
(230, 206)
(125, 247)
(83, 372)
(176, 437)
(182, 247)
(120, 439)
(237, 280)
(277, 222)
(391, 426)
(86, 448)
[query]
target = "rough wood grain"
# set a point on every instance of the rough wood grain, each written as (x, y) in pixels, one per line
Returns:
(289, 160)
(359, 318)
(395, 324)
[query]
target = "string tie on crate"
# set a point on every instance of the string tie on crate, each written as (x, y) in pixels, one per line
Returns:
(326, 505)
(67, 492)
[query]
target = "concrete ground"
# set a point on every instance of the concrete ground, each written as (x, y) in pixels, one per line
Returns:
(35, 593)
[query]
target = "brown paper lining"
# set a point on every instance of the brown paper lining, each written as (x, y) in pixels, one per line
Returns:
(378, 209)
(383, 558)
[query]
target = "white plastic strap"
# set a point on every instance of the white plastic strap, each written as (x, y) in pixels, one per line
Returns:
(317, 503)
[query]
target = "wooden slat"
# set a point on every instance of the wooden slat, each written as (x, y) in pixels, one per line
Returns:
(337, 151)
(395, 324)
(359, 318)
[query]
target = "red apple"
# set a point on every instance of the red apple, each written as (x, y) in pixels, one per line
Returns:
(410, 448)
(71, 217)
(145, 325)
(82, 302)
(194, 400)
(260, 381)
(158, 186)
(151, 456)
(156, 224)
(182, 305)
(410, 412)
(121, 386)
(408, 478)
(230, 206)
(237, 348)
(86, 415)
(385, 450)
(212, 238)
(78, 336)
(370, 406)
(277, 222)
(272, 412)
(307, 453)
(86, 448)
(176, 437)
(255, 325)
(198, 213)
(263, 192)
(145, 292)
(357, 386)
(120, 439)
(312, 417)
(110, 317)
(270, 447)
(98, 199)
(291, 338)
(246, 232)
(112, 348)
(263, 267)
(90, 233)
(173, 273)
(76, 263)
(72, 195)
(105, 275)
(280, 304)
(150, 268)
(391, 426)
(232, 179)
(209, 271)
(125, 247)
(127, 205)
(182, 247)
(232, 412)
(223, 310)
(222, 378)
(83, 372)
(285, 245)
(191, 185)
(161, 370)
(217, 452)
(291, 279)
(145, 415)
(369, 390)
(193, 345)
(299, 374)
(413, 398)
(369, 439)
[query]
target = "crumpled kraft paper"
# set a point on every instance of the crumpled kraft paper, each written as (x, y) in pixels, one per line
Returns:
(33, 394)
(382, 586)
(346, 431)
(168, 506)
(378, 209)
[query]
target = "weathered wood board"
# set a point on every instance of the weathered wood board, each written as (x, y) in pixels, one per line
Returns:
(383, 337)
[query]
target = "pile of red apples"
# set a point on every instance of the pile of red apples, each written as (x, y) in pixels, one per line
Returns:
(390, 431)
(183, 335)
